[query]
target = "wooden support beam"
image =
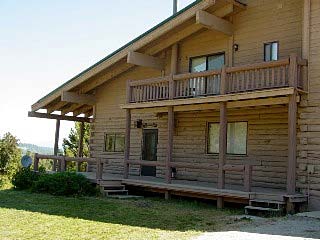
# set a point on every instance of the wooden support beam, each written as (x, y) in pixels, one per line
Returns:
(169, 143)
(82, 109)
(59, 117)
(74, 97)
(306, 29)
(56, 107)
(127, 144)
(70, 108)
(145, 60)
(80, 144)
(292, 144)
(213, 22)
(224, 11)
(222, 144)
(56, 144)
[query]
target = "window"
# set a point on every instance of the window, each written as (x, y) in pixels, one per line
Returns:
(271, 51)
(205, 63)
(205, 85)
(236, 138)
(114, 143)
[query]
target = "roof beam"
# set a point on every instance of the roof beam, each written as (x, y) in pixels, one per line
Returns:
(213, 22)
(135, 45)
(56, 107)
(73, 97)
(145, 60)
(81, 110)
(59, 117)
(70, 108)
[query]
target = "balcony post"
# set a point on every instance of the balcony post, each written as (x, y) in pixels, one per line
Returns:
(292, 144)
(293, 71)
(223, 81)
(127, 144)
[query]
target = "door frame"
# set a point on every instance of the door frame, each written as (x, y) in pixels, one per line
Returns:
(156, 130)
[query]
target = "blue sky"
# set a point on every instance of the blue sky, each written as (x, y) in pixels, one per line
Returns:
(45, 43)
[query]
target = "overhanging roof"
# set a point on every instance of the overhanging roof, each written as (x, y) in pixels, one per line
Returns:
(170, 23)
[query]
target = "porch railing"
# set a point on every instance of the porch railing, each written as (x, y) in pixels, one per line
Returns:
(287, 72)
(62, 162)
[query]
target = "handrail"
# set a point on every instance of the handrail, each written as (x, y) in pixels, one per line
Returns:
(64, 159)
(254, 66)
(251, 77)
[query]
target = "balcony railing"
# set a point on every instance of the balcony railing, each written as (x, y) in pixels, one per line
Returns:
(229, 80)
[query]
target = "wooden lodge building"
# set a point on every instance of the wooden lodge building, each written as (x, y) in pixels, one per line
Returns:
(219, 101)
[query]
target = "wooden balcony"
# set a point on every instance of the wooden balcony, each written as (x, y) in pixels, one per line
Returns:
(266, 76)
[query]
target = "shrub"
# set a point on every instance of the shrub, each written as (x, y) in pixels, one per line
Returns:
(64, 184)
(24, 178)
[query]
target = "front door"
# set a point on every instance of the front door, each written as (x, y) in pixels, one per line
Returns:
(149, 151)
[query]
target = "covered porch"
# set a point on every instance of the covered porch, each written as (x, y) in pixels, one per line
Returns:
(263, 85)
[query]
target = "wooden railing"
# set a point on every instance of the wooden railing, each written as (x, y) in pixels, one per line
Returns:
(288, 72)
(62, 162)
(245, 168)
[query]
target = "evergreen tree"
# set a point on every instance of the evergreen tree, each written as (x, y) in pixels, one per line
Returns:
(70, 144)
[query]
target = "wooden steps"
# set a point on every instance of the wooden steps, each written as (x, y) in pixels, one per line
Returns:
(265, 207)
(114, 188)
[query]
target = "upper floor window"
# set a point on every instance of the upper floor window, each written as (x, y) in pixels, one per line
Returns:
(205, 63)
(271, 51)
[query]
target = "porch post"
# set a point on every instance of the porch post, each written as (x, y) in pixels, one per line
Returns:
(127, 144)
(56, 145)
(80, 145)
(292, 127)
(170, 143)
(292, 144)
(222, 137)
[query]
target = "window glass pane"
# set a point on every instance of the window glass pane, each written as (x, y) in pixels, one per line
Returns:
(215, 62)
(267, 52)
(119, 144)
(237, 138)
(110, 142)
(213, 138)
(198, 64)
(274, 51)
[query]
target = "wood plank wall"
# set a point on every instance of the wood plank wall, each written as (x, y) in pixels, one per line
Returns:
(263, 21)
(309, 118)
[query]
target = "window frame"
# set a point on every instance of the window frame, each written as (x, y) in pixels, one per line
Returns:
(264, 50)
(229, 154)
(207, 57)
(115, 140)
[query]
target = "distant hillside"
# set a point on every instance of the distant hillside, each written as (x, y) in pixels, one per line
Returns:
(35, 149)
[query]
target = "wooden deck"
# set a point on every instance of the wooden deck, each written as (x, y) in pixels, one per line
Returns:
(197, 189)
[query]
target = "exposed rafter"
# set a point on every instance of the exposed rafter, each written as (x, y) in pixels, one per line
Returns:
(73, 97)
(213, 22)
(59, 117)
(145, 60)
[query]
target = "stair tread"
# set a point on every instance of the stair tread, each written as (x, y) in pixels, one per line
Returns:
(267, 201)
(125, 196)
(262, 208)
(115, 190)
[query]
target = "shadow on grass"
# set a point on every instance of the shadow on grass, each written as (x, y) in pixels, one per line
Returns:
(174, 215)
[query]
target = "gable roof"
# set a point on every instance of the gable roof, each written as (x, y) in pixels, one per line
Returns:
(180, 17)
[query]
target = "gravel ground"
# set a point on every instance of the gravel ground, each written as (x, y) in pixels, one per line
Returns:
(288, 228)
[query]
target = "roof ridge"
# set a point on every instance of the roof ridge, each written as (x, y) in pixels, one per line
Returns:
(123, 47)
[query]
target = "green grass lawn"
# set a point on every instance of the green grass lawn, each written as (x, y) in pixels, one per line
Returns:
(26, 215)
